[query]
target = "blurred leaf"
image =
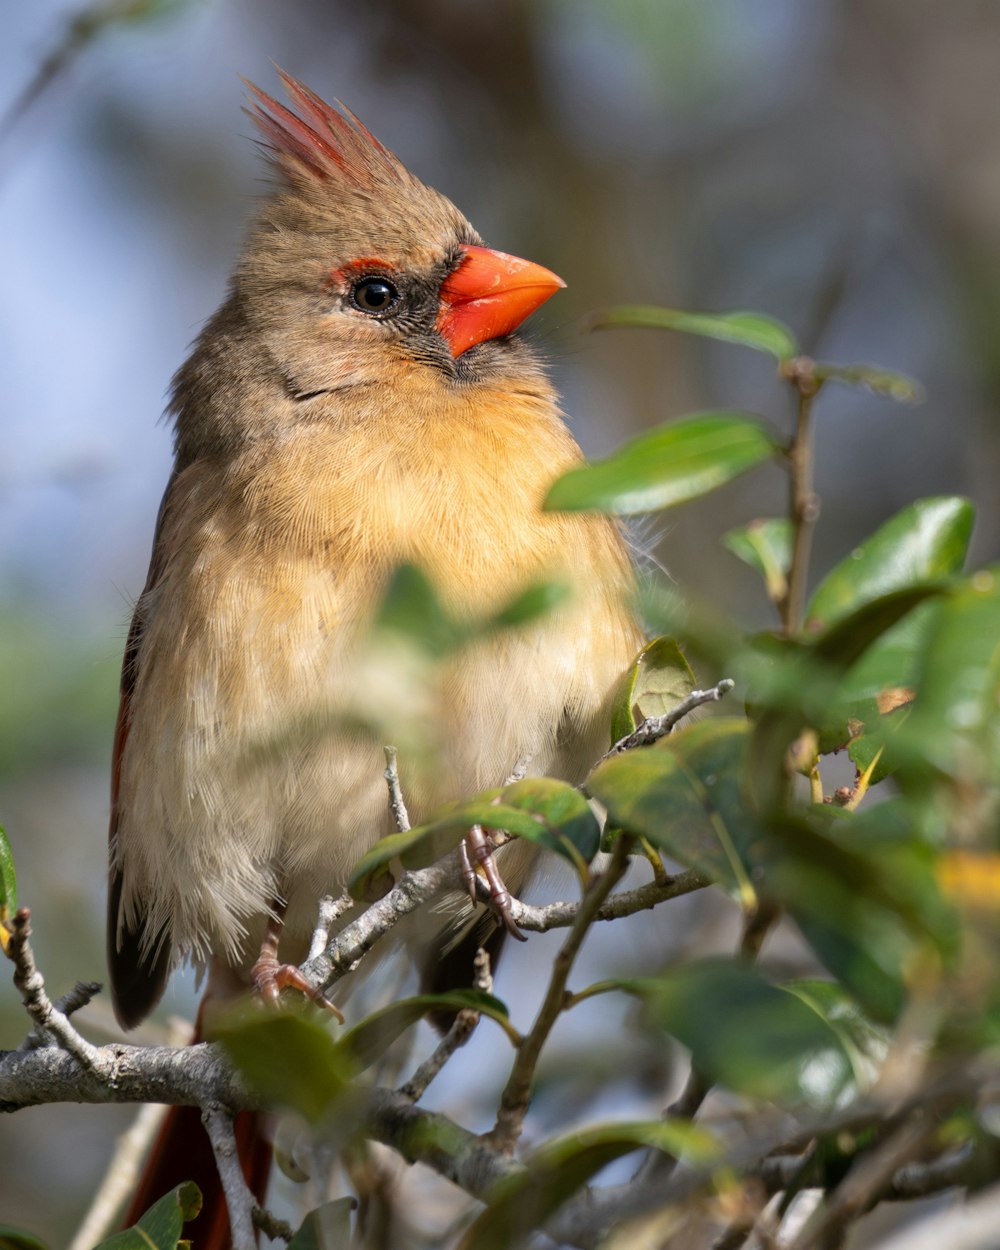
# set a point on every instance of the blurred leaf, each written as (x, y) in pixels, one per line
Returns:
(897, 386)
(971, 879)
(865, 1042)
(18, 1239)
(559, 1169)
(685, 796)
(160, 1228)
(326, 1228)
(535, 601)
(411, 607)
(862, 889)
(367, 1041)
(766, 545)
(666, 466)
(541, 809)
(927, 540)
(660, 678)
(288, 1060)
(748, 329)
(744, 1032)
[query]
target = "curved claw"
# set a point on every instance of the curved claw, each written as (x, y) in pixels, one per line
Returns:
(479, 847)
(270, 977)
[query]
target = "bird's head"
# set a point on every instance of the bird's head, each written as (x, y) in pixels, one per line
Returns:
(356, 270)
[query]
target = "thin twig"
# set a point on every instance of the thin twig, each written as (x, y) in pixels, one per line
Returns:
(271, 1226)
(463, 1026)
(122, 1173)
(80, 996)
(546, 916)
(240, 1201)
(803, 502)
(653, 728)
(330, 911)
(396, 800)
(868, 1176)
(38, 1005)
(517, 1092)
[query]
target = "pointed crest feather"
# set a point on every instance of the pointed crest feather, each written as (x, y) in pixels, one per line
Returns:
(322, 140)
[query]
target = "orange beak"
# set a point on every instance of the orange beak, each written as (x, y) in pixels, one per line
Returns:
(490, 294)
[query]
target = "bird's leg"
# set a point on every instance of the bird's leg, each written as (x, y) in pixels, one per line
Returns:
(270, 976)
(477, 852)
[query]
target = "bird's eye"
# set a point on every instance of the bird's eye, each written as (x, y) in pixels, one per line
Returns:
(374, 295)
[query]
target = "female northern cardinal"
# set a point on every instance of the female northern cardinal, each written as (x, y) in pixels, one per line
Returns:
(359, 400)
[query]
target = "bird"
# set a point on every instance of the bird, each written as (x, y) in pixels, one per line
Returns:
(361, 399)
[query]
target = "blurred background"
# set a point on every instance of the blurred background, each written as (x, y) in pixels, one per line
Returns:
(835, 163)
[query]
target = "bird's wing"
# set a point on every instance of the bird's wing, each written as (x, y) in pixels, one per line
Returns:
(138, 968)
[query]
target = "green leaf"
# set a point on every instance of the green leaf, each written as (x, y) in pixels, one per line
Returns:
(861, 887)
(748, 329)
(326, 1228)
(660, 678)
(666, 466)
(954, 728)
(532, 603)
(865, 1042)
(766, 545)
(371, 1038)
(745, 1033)
(876, 745)
(160, 1228)
(559, 1169)
(685, 796)
(927, 540)
(288, 1060)
(412, 609)
(897, 386)
(541, 809)
(8, 878)
(18, 1239)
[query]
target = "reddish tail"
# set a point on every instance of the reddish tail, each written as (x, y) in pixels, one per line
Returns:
(182, 1152)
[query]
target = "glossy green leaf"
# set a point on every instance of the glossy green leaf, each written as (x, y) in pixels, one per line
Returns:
(884, 382)
(326, 1228)
(745, 1033)
(766, 545)
(559, 1169)
(685, 796)
(288, 1060)
(875, 747)
(18, 1239)
(954, 728)
(668, 465)
(927, 540)
(371, 1038)
(660, 678)
(160, 1228)
(748, 329)
(541, 809)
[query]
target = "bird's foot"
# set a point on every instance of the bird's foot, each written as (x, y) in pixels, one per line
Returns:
(478, 854)
(270, 977)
